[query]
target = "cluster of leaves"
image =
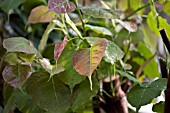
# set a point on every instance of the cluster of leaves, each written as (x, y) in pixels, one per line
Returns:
(99, 42)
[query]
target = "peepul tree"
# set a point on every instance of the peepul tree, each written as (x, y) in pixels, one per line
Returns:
(101, 57)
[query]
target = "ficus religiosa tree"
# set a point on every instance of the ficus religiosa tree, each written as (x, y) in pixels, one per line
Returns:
(84, 56)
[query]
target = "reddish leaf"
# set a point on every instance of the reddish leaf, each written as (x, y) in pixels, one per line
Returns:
(59, 47)
(85, 61)
(16, 75)
(61, 6)
(40, 14)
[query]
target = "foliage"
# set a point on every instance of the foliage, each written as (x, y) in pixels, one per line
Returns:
(61, 52)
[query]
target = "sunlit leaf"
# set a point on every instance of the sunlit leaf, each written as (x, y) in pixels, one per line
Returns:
(40, 14)
(16, 75)
(99, 30)
(85, 61)
(27, 57)
(61, 6)
(19, 44)
(153, 24)
(51, 69)
(112, 53)
(100, 13)
(130, 26)
(59, 47)
(146, 92)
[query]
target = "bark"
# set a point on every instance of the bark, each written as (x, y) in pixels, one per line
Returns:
(167, 91)
(116, 103)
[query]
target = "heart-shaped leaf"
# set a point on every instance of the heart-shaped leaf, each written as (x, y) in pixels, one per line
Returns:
(59, 47)
(51, 95)
(19, 44)
(112, 53)
(40, 14)
(61, 6)
(16, 75)
(85, 61)
(146, 92)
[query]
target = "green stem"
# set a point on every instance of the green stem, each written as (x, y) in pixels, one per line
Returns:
(43, 41)
(137, 11)
(128, 49)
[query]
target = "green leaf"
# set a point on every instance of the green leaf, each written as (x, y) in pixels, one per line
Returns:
(112, 53)
(40, 14)
(16, 75)
(24, 103)
(99, 12)
(85, 94)
(19, 44)
(85, 61)
(99, 30)
(143, 94)
(50, 95)
(167, 8)
(51, 69)
(6, 5)
(153, 24)
(43, 41)
(130, 77)
(70, 75)
(29, 58)
(146, 53)
(158, 107)
(153, 8)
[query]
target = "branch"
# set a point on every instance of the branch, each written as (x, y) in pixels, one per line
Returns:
(167, 91)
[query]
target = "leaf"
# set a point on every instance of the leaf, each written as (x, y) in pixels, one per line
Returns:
(153, 8)
(70, 75)
(99, 30)
(85, 94)
(153, 65)
(40, 14)
(130, 77)
(61, 6)
(112, 53)
(144, 65)
(143, 94)
(158, 107)
(18, 44)
(99, 12)
(51, 69)
(59, 47)
(50, 95)
(29, 58)
(24, 103)
(85, 61)
(72, 25)
(153, 24)
(6, 5)
(16, 75)
(130, 26)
